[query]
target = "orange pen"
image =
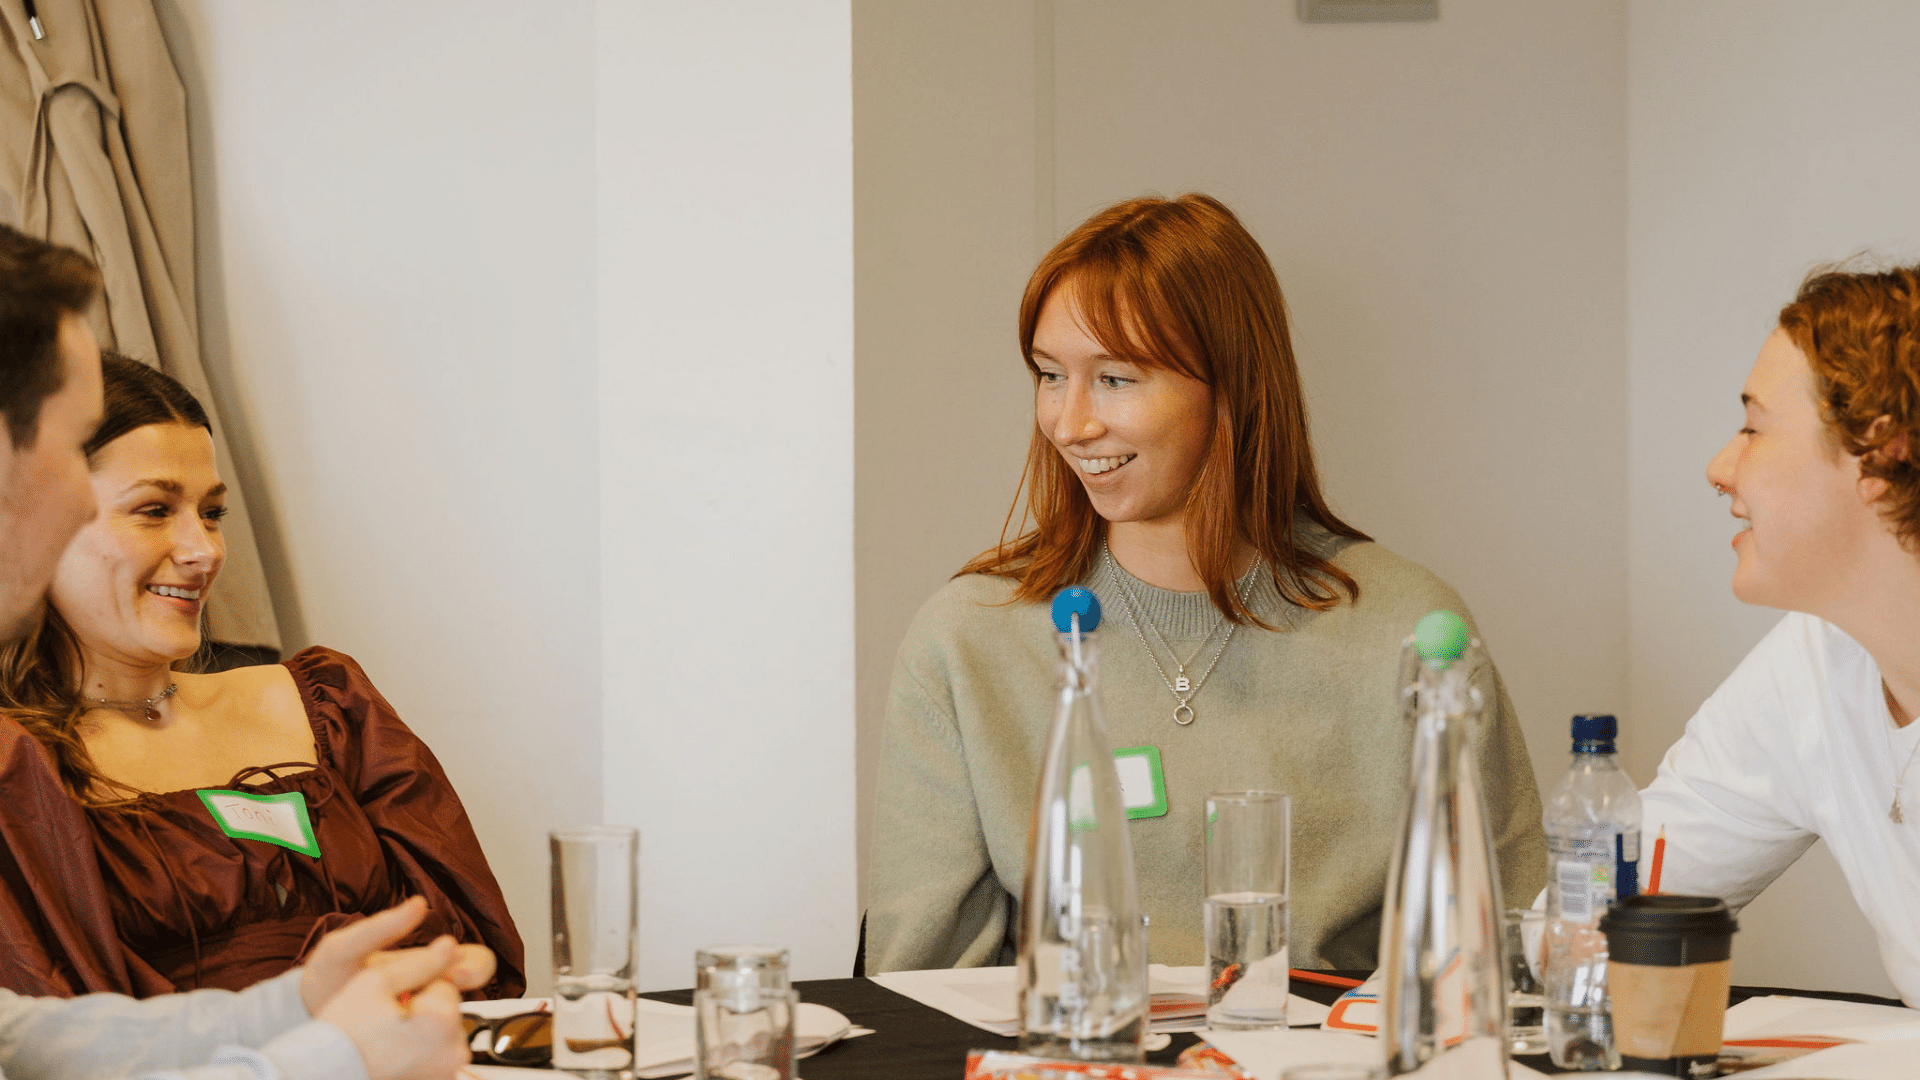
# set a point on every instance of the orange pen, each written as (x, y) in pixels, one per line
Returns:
(1659, 855)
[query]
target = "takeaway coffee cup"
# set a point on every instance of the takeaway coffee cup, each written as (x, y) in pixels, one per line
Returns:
(1668, 974)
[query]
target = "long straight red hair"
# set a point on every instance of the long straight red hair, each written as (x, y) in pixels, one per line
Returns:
(1180, 284)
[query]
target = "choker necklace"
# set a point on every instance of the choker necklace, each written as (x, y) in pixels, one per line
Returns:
(147, 706)
(1182, 688)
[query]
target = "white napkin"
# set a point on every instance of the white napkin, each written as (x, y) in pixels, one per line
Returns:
(663, 1045)
(986, 997)
(1267, 1054)
(1855, 1061)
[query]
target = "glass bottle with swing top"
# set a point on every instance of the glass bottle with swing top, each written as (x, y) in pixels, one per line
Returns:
(1082, 969)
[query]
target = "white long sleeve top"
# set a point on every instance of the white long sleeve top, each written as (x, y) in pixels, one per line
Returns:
(1797, 744)
(262, 1033)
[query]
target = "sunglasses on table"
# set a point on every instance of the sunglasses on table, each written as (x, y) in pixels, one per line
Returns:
(527, 1038)
(521, 1039)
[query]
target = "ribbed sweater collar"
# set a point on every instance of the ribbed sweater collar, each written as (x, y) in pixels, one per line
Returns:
(1179, 616)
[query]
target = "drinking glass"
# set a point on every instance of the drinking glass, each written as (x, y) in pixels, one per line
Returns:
(723, 966)
(1245, 913)
(1526, 1000)
(596, 908)
(743, 1033)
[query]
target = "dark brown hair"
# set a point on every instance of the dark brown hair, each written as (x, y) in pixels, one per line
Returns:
(39, 283)
(1180, 284)
(40, 674)
(1860, 333)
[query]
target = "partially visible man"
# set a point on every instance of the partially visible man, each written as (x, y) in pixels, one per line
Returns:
(50, 395)
(353, 1012)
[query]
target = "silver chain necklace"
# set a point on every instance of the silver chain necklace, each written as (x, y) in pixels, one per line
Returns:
(148, 706)
(1182, 689)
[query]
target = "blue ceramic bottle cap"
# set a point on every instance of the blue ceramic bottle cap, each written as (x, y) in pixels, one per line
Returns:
(1076, 600)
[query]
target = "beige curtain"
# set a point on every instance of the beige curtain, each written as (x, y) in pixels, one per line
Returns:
(93, 155)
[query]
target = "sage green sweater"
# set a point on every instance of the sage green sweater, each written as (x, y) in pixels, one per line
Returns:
(1311, 710)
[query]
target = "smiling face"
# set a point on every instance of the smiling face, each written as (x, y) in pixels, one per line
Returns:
(134, 581)
(1808, 519)
(1135, 436)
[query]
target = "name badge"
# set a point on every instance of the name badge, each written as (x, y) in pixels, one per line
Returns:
(274, 819)
(1143, 787)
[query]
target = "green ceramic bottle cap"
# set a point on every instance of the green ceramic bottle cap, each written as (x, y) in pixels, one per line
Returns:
(1441, 638)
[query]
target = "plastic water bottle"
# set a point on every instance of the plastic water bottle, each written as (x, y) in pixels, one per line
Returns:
(1444, 999)
(1082, 970)
(1593, 858)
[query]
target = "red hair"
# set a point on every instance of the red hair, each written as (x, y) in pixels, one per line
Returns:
(1180, 284)
(1860, 333)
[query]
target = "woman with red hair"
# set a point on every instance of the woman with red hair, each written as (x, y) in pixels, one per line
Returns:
(1812, 736)
(1254, 637)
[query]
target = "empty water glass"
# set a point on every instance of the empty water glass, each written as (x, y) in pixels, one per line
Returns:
(596, 909)
(724, 966)
(743, 1033)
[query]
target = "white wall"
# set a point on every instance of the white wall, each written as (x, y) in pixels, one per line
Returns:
(396, 223)
(945, 154)
(1765, 138)
(1444, 203)
(725, 261)
(536, 333)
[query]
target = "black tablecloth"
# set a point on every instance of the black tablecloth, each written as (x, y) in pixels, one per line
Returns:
(914, 1042)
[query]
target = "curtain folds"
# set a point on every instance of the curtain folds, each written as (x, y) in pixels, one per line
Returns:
(93, 155)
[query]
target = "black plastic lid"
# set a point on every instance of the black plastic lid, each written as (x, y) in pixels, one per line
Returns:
(1594, 733)
(1666, 930)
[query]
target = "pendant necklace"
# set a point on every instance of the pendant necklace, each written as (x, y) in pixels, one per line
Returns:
(149, 707)
(1895, 814)
(1182, 688)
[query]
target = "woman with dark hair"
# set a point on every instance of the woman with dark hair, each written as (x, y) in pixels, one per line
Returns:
(167, 831)
(1255, 637)
(1813, 735)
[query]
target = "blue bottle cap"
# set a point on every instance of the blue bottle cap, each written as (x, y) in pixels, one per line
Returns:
(1589, 731)
(1076, 600)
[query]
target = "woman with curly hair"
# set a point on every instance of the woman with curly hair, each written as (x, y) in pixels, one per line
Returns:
(1812, 736)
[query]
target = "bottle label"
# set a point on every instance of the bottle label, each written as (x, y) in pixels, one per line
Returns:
(1626, 863)
(1580, 892)
(1590, 873)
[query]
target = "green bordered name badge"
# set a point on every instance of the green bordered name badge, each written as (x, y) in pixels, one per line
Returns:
(273, 819)
(1143, 787)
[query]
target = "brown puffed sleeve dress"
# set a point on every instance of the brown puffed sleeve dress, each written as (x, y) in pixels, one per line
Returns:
(152, 897)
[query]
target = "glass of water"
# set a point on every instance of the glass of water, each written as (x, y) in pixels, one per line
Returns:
(743, 1032)
(1245, 915)
(596, 909)
(1526, 999)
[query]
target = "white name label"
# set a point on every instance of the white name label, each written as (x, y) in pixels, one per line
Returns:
(274, 819)
(1143, 787)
